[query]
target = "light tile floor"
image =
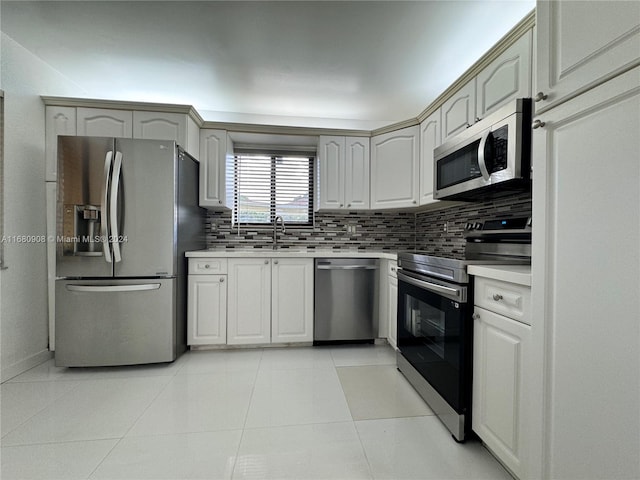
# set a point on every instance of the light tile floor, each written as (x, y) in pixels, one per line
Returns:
(274, 413)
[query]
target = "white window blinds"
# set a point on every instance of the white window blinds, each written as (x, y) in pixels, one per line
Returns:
(267, 185)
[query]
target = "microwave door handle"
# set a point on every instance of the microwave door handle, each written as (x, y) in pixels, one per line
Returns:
(104, 197)
(113, 207)
(482, 161)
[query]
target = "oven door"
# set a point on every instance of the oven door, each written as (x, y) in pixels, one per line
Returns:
(435, 335)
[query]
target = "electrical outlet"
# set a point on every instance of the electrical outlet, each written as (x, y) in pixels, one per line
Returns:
(445, 227)
(353, 228)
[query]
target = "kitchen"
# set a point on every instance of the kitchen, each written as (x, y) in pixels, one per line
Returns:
(569, 428)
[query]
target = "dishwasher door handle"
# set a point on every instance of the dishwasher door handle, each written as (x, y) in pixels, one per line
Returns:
(345, 267)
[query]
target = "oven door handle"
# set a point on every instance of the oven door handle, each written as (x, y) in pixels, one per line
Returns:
(432, 287)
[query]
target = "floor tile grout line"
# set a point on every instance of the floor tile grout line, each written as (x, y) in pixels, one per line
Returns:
(41, 410)
(246, 416)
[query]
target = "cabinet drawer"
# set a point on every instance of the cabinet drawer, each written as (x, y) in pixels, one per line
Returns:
(508, 299)
(207, 266)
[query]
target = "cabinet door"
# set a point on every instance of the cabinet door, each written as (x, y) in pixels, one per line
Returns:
(331, 169)
(213, 163)
(207, 310)
(459, 111)
(393, 312)
(249, 306)
(292, 300)
(356, 177)
(160, 126)
(98, 122)
(499, 378)
(429, 140)
(508, 77)
(582, 44)
(585, 292)
(58, 121)
(394, 168)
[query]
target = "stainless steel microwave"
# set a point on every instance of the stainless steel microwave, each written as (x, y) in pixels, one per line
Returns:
(490, 158)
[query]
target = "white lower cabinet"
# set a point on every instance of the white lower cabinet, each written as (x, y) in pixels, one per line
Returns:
(249, 307)
(270, 300)
(292, 300)
(207, 310)
(207, 302)
(500, 369)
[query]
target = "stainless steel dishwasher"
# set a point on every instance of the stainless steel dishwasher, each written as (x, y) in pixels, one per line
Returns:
(346, 300)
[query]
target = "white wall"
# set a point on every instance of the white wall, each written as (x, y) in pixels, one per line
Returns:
(23, 312)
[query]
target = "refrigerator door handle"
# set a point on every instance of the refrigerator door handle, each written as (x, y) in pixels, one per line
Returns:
(104, 231)
(112, 288)
(113, 207)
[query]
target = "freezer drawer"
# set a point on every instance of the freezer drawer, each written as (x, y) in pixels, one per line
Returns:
(115, 322)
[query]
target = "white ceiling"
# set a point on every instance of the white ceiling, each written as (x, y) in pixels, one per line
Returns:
(329, 64)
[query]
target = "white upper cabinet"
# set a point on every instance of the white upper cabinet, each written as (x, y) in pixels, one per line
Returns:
(343, 173)
(99, 122)
(357, 161)
(214, 147)
(459, 111)
(394, 168)
(508, 77)
(429, 140)
(331, 176)
(58, 121)
(167, 126)
(582, 44)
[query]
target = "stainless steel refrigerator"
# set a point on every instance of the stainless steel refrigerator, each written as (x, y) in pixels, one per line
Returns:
(127, 210)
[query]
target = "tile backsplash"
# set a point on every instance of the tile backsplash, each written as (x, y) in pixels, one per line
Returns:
(391, 231)
(351, 230)
(430, 226)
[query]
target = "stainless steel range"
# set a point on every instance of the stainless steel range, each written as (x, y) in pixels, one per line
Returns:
(435, 328)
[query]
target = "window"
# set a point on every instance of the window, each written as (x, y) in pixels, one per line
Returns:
(270, 185)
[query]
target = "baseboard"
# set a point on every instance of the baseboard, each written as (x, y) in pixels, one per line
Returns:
(24, 365)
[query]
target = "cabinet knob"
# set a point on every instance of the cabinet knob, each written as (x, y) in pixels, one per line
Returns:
(497, 297)
(476, 316)
(348, 204)
(266, 262)
(275, 262)
(207, 266)
(538, 124)
(222, 280)
(415, 201)
(220, 202)
(341, 205)
(540, 96)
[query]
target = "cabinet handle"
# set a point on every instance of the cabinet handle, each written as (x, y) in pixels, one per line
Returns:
(497, 297)
(222, 280)
(538, 124)
(540, 96)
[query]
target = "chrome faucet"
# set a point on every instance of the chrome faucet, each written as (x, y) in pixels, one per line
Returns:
(275, 227)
